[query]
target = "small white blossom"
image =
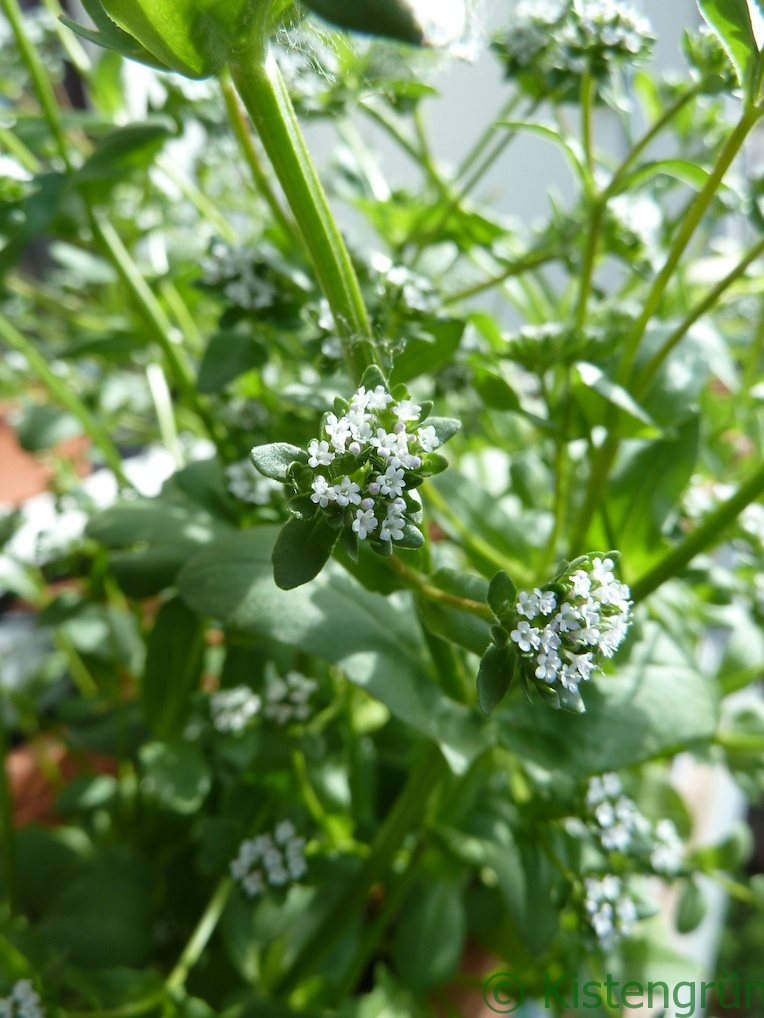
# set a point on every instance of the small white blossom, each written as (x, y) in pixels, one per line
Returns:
(287, 699)
(527, 604)
(394, 522)
(248, 484)
(666, 856)
(365, 523)
(22, 1002)
(319, 454)
(323, 492)
(568, 618)
(548, 667)
(549, 639)
(274, 860)
(407, 411)
(391, 482)
(347, 492)
(581, 584)
(233, 709)
(602, 570)
(379, 399)
(526, 637)
(428, 438)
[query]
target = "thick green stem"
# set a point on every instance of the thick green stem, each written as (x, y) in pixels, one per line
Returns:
(264, 94)
(62, 393)
(689, 224)
(240, 128)
(405, 816)
(7, 832)
(201, 935)
(40, 80)
(701, 538)
(648, 372)
(418, 583)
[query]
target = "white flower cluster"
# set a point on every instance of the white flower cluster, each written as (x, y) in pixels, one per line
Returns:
(565, 636)
(559, 40)
(383, 440)
(620, 826)
(616, 816)
(274, 860)
(23, 1002)
(234, 270)
(610, 910)
(288, 699)
(248, 484)
(233, 709)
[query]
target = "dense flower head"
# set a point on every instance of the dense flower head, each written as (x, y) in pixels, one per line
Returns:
(22, 1002)
(287, 698)
(270, 860)
(610, 910)
(549, 44)
(362, 469)
(233, 709)
(563, 629)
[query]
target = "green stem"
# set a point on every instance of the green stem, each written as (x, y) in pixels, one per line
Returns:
(590, 255)
(587, 104)
(689, 224)
(406, 815)
(203, 205)
(62, 393)
(701, 538)
(201, 935)
(138, 1007)
(264, 94)
(648, 372)
(751, 370)
(485, 138)
(40, 80)
(418, 583)
(241, 131)
(531, 261)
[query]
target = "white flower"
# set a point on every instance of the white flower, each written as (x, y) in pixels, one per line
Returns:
(347, 492)
(602, 570)
(611, 783)
(338, 431)
(394, 522)
(275, 860)
(583, 664)
(549, 639)
(248, 484)
(287, 699)
(667, 854)
(525, 637)
(527, 604)
(548, 667)
(391, 482)
(581, 583)
(610, 640)
(23, 1002)
(283, 832)
(319, 454)
(547, 601)
(568, 618)
(233, 709)
(379, 399)
(323, 492)
(365, 523)
(407, 411)
(428, 439)
(569, 678)
(386, 443)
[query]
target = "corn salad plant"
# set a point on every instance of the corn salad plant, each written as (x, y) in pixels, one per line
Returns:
(404, 568)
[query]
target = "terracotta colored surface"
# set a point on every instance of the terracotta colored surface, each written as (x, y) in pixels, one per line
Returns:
(23, 475)
(38, 771)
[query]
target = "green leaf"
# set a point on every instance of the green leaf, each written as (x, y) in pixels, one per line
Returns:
(370, 637)
(502, 595)
(175, 651)
(445, 427)
(688, 173)
(302, 550)
(692, 908)
(731, 21)
(175, 774)
(102, 918)
(228, 355)
(656, 704)
(274, 460)
(494, 676)
(494, 391)
(150, 539)
(43, 426)
(430, 934)
(593, 391)
(120, 152)
(426, 355)
(396, 19)
(110, 37)
(192, 37)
